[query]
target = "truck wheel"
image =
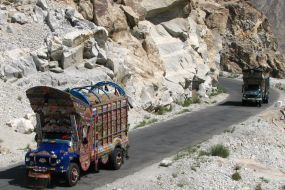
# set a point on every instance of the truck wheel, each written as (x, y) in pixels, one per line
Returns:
(266, 101)
(259, 104)
(243, 102)
(72, 175)
(116, 159)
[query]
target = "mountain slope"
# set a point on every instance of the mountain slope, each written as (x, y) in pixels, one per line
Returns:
(274, 10)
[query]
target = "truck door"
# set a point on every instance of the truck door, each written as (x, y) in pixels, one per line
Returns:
(86, 147)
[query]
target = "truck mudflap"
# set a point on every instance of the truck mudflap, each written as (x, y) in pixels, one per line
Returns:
(38, 180)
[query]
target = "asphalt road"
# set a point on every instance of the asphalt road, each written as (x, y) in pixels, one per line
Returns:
(152, 144)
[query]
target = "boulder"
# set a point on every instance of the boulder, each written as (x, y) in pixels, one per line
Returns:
(52, 22)
(55, 48)
(12, 72)
(3, 17)
(40, 14)
(177, 28)
(22, 125)
(76, 38)
(53, 64)
(86, 9)
(41, 64)
(165, 163)
(14, 54)
(102, 56)
(101, 36)
(90, 63)
(110, 16)
(19, 17)
(90, 49)
(72, 56)
(57, 70)
(132, 17)
(42, 4)
(72, 14)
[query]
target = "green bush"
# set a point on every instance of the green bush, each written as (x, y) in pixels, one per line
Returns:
(220, 89)
(220, 150)
(236, 176)
(204, 153)
(196, 99)
(161, 110)
(146, 122)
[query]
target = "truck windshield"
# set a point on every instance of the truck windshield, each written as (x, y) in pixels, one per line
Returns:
(252, 87)
(57, 136)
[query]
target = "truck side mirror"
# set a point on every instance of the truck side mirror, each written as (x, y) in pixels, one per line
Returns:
(36, 137)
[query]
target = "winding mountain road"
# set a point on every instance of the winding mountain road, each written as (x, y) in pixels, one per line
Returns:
(152, 144)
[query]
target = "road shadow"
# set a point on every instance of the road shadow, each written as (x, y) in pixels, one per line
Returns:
(231, 103)
(15, 176)
(237, 104)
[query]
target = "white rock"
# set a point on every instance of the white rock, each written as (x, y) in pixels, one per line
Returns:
(73, 56)
(20, 18)
(40, 14)
(165, 163)
(279, 104)
(76, 38)
(42, 4)
(22, 125)
(3, 17)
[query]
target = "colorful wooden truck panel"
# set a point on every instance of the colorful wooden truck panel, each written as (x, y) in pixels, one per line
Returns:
(77, 128)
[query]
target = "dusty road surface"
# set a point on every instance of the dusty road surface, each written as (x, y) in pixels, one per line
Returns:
(152, 144)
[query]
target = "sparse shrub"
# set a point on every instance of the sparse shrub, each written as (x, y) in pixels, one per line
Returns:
(220, 150)
(161, 110)
(193, 168)
(196, 99)
(264, 180)
(220, 89)
(19, 98)
(146, 122)
(237, 167)
(183, 111)
(203, 153)
(258, 187)
(187, 102)
(236, 176)
(174, 175)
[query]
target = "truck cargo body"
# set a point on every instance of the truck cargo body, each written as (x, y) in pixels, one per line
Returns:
(256, 86)
(76, 130)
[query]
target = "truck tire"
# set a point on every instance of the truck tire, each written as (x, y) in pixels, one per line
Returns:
(259, 104)
(73, 174)
(116, 159)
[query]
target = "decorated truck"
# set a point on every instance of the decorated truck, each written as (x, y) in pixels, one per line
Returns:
(77, 129)
(255, 86)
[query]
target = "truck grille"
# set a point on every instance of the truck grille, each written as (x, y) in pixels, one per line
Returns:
(41, 161)
(250, 96)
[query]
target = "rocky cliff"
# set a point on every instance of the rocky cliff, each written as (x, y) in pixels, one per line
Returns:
(274, 10)
(160, 51)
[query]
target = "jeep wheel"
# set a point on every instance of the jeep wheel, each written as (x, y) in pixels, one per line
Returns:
(72, 175)
(116, 159)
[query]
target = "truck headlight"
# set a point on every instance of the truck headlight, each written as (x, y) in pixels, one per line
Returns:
(58, 161)
(27, 159)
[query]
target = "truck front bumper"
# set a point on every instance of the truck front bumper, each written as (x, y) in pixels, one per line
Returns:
(252, 99)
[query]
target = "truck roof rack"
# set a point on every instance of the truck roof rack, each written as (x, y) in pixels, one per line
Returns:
(98, 92)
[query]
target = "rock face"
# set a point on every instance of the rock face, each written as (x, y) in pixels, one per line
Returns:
(249, 41)
(274, 10)
(159, 51)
